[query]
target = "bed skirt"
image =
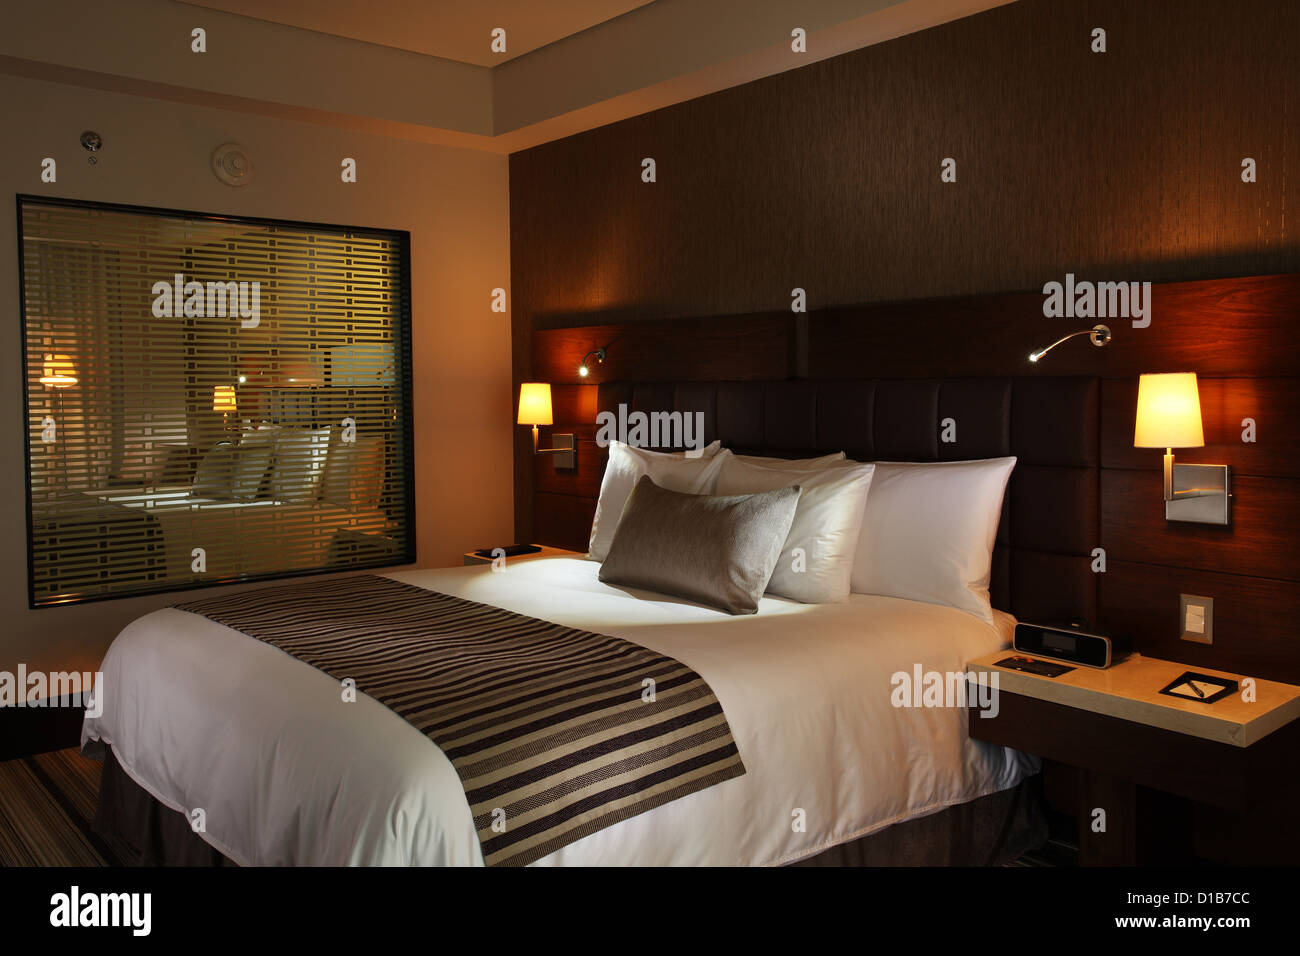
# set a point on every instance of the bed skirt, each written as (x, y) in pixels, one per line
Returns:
(154, 834)
(990, 831)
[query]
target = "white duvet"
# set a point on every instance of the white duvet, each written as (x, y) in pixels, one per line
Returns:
(286, 772)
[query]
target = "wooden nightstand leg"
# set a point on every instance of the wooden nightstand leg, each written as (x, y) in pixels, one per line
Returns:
(1107, 820)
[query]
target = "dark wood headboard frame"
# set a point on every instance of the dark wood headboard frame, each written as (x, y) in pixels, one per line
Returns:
(1238, 334)
(1049, 526)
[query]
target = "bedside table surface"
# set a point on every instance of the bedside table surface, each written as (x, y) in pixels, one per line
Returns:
(547, 551)
(1130, 690)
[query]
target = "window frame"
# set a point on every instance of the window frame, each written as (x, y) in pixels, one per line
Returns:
(403, 365)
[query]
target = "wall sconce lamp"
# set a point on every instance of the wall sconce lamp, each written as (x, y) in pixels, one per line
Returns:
(225, 402)
(1169, 417)
(223, 398)
(1099, 335)
(585, 368)
(57, 371)
(535, 409)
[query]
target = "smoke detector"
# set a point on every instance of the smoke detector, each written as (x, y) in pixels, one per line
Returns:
(231, 165)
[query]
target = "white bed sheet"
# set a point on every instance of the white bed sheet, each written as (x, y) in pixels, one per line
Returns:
(202, 716)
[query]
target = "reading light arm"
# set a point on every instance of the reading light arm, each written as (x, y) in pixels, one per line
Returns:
(1098, 334)
(583, 369)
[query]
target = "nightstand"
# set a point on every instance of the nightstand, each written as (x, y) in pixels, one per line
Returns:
(469, 557)
(1173, 776)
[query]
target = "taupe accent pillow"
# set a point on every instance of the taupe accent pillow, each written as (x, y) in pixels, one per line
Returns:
(718, 550)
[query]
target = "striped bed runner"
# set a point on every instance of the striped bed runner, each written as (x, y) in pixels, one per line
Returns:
(555, 732)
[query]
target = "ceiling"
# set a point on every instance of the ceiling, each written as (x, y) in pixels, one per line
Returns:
(451, 29)
(422, 70)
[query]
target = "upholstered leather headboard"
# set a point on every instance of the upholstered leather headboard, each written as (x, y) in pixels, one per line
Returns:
(1042, 565)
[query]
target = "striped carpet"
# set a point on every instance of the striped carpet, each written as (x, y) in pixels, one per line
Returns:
(47, 804)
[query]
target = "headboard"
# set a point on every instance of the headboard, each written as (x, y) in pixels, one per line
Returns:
(1050, 520)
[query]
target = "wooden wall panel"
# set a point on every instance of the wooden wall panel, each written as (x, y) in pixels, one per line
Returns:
(1262, 539)
(1254, 618)
(1216, 327)
(573, 404)
(584, 480)
(732, 347)
(564, 521)
(1116, 166)
(1111, 166)
(1273, 403)
(1123, 166)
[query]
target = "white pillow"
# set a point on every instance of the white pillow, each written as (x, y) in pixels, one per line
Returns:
(671, 470)
(808, 463)
(928, 532)
(301, 456)
(826, 524)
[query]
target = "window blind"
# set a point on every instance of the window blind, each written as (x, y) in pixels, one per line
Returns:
(211, 399)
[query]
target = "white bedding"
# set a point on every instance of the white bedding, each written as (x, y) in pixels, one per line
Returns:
(202, 716)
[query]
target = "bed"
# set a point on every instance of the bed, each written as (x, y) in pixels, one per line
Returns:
(197, 715)
(201, 716)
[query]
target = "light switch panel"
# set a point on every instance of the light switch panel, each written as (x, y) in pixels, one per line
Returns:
(1196, 618)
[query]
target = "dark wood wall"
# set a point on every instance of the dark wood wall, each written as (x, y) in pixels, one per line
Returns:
(1251, 568)
(1117, 166)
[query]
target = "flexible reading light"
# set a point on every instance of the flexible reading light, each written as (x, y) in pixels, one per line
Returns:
(583, 369)
(1099, 335)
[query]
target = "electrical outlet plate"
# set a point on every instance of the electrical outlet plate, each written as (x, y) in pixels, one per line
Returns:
(1196, 618)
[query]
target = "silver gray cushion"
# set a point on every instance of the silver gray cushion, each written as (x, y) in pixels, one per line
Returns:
(718, 550)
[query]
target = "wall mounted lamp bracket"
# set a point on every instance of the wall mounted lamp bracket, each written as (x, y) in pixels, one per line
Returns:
(565, 450)
(1201, 494)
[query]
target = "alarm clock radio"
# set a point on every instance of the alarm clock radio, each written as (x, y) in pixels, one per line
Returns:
(1070, 644)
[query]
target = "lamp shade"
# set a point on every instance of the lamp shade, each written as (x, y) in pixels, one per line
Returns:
(57, 371)
(1168, 412)
(223, 398)
(535, 403)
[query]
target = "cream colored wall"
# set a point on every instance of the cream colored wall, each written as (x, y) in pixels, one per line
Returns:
(454, 202)
(149, 40)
